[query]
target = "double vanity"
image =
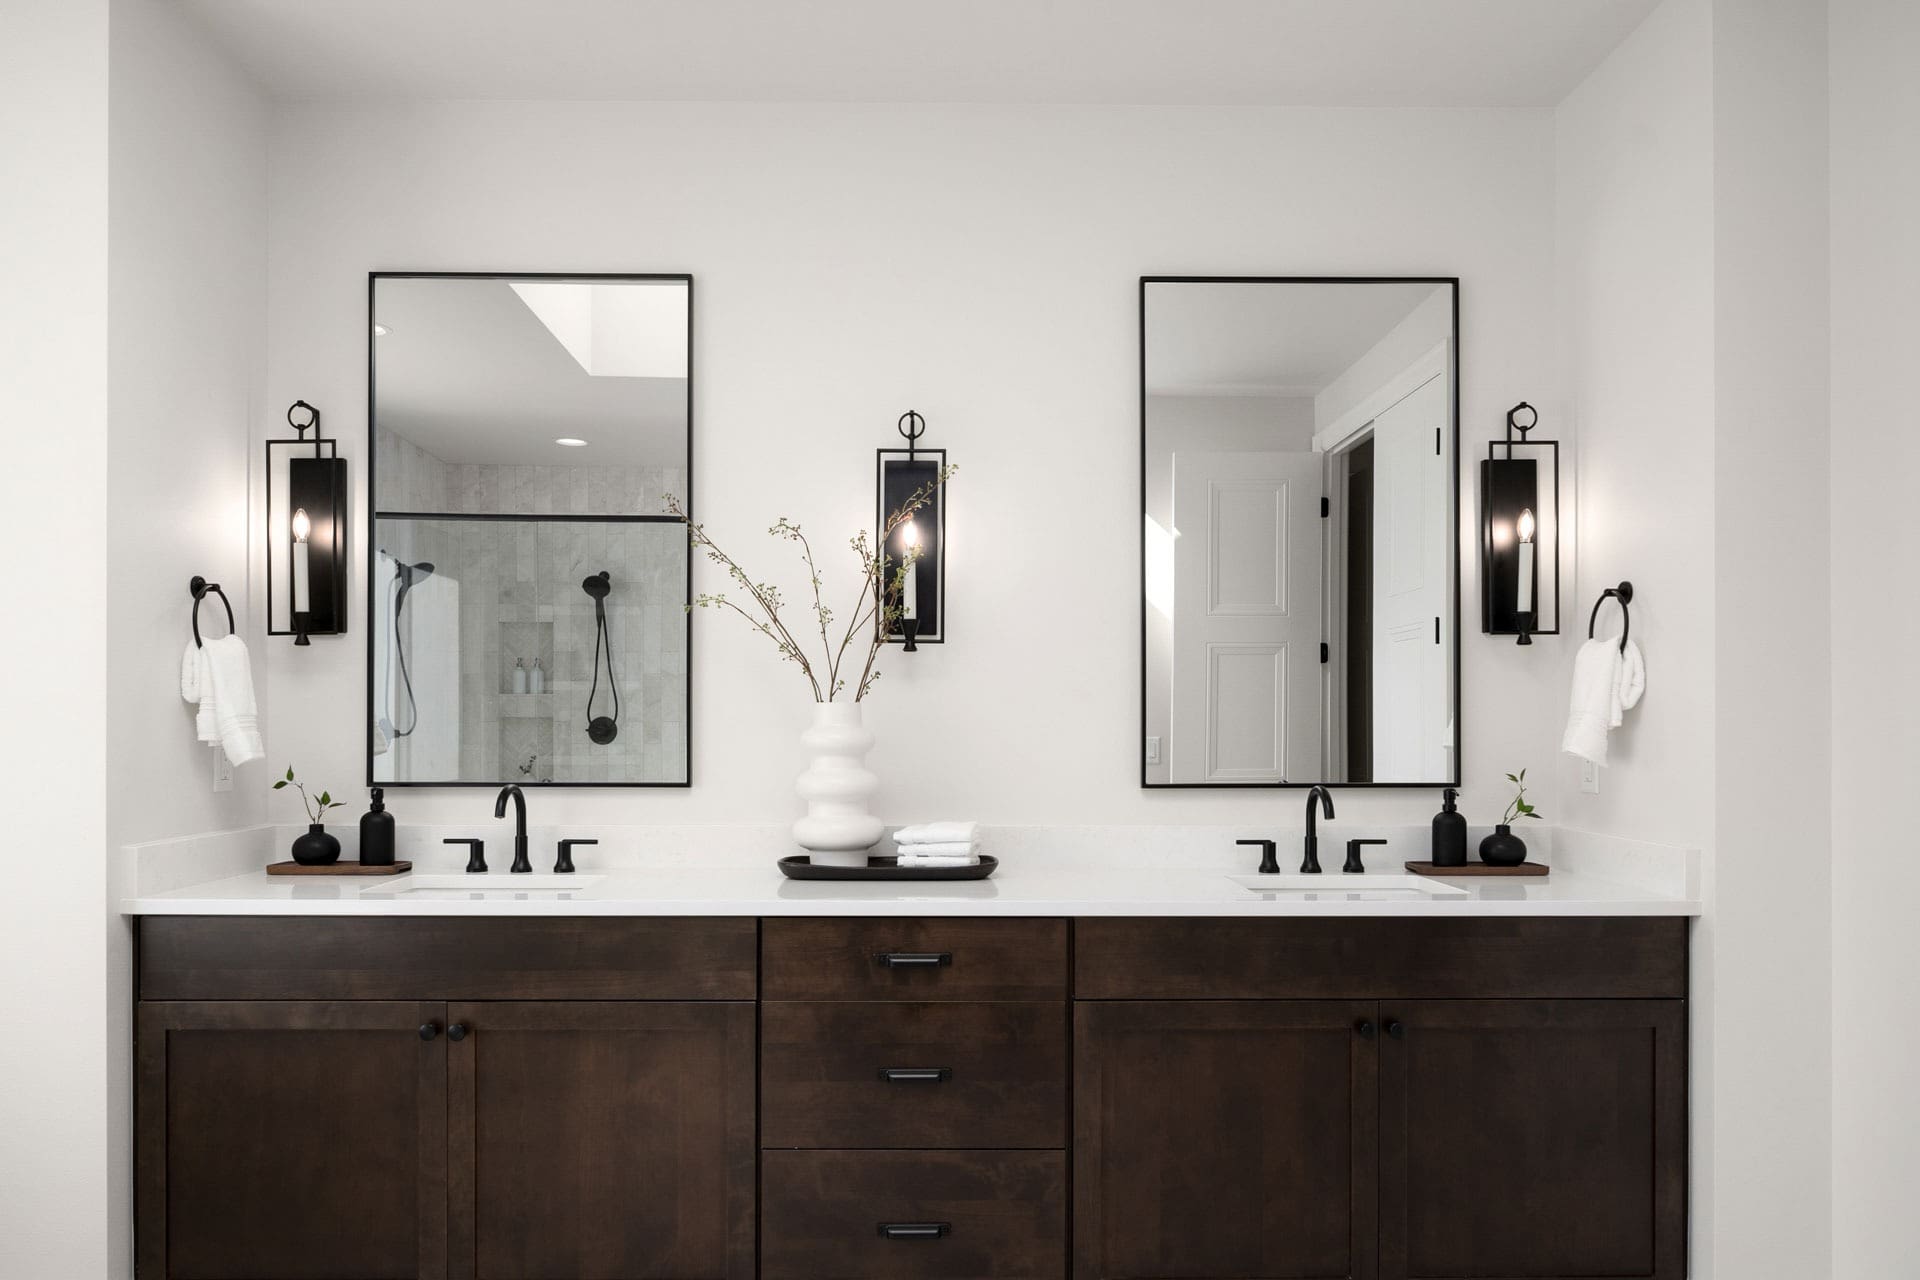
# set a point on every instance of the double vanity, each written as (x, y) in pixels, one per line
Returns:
(706, 1071)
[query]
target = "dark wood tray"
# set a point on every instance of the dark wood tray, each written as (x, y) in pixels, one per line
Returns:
(337, 869)
(884, 867)
(1477, 869)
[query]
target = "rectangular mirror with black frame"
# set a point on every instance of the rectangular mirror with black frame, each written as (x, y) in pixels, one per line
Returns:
(527, 589)
(1300, 531)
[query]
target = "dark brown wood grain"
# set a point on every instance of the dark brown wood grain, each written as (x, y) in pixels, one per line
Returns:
(1534, 1138)
(1380, 958)
(280, 1141)
(821, 1210)
(1224, 1139)
(820, 1066)
(466, 958)
(837, 959)
(613, 1141)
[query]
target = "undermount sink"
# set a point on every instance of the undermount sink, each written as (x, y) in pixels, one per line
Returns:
(492, 882)
(1339, 887)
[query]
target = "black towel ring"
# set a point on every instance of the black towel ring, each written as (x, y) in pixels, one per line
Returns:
(1624, 594)
(200, 586)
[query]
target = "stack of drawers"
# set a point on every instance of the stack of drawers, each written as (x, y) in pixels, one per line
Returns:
(913, 1099)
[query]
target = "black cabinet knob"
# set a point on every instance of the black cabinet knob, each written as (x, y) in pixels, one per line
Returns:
(428, 1030)
(458, 1031)
(1365, 1028)
(1397, 1029)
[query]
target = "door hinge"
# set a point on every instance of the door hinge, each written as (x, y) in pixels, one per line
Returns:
(1326, 506)
(1436, 442)
(1323, 651)
(1436, 631)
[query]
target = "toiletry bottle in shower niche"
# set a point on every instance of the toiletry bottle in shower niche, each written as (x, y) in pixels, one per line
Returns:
(519, 675)
(537, 678)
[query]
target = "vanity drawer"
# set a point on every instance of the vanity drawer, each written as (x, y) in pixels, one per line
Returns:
(1638, 957)
(956, 1215)
(962, 1074)
(889, 959)
(414, 958)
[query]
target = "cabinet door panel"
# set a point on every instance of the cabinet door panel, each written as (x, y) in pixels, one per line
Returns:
(290, 1141)
(1224, 1139)
(1534, 1138)
(602, 1141)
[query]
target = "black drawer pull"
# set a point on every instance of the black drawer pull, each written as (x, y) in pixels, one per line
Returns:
(915, 1230)
(917, 1075)
(915, 959)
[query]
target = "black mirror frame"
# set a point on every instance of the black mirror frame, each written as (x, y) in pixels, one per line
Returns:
(1459, 711)
(374, 514)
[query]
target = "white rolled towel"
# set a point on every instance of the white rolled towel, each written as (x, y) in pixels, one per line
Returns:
(938, 833)
(942, 849)
(939, 860)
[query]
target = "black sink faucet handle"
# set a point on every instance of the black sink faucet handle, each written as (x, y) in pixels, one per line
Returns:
(1354, 866)
(476, 854)
(1269, 856)
(564, 864)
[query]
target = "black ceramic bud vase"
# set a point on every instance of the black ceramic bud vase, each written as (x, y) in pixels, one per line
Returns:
(316, 848)
(1503, 848)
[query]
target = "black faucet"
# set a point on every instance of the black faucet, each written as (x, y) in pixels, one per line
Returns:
(520, 862)
(1310, 864)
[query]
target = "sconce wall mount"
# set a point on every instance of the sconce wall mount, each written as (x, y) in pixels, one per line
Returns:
(901, 474)
(306, 531)
(1520, 531)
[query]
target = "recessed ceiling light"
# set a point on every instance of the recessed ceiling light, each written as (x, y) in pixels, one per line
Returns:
(381, 331)
(570, 442)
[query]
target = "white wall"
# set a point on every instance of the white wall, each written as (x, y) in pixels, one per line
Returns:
(1875, 120)
(1769, 878)
(978, 264)
(1692, 267)
(53, 513)
(186, 356)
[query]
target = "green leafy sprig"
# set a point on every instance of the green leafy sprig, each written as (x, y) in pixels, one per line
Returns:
(1519, 808)
(316, 806)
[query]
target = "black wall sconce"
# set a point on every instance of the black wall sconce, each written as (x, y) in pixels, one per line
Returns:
(902, 473)
(306, 531)
(1520, 532)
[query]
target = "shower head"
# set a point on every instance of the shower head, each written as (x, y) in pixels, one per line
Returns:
(598, 585)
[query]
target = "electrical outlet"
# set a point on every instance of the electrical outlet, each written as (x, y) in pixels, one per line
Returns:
(1153, 749)
(222, 771)
(1589, 777)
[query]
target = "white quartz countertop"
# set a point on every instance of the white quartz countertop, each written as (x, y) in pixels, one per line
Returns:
(1030, 885)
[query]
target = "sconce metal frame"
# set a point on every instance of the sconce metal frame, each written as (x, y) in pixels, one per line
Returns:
(898, 473)
(306, 473)
(1511, 481)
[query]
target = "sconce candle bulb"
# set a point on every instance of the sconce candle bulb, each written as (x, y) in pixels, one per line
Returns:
(1523, 602)
(909, 589)
(302, 588)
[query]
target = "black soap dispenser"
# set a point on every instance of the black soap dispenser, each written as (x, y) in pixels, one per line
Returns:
(1449, 833)
(376, 833)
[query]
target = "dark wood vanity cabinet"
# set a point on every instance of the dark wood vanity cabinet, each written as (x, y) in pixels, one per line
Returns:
(446, 1139)
(1373, 1131)
(931, 1099)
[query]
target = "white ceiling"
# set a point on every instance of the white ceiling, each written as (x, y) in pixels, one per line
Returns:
(470, 373)
(1444, 53)
(1266, 339)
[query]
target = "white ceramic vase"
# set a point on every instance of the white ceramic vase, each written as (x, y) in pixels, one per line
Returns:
(836, 785)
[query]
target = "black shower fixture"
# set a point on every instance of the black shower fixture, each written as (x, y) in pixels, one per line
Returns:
(601, 729)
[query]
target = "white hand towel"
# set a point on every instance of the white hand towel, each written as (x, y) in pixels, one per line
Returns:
(938, 833)
(1591, 706)
(196, 686)
(1630, 683)
(236, 713)
(940, 849)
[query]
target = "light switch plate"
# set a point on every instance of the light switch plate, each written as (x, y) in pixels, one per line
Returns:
(222, 771)
(1153, 749)
(1589, 777)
